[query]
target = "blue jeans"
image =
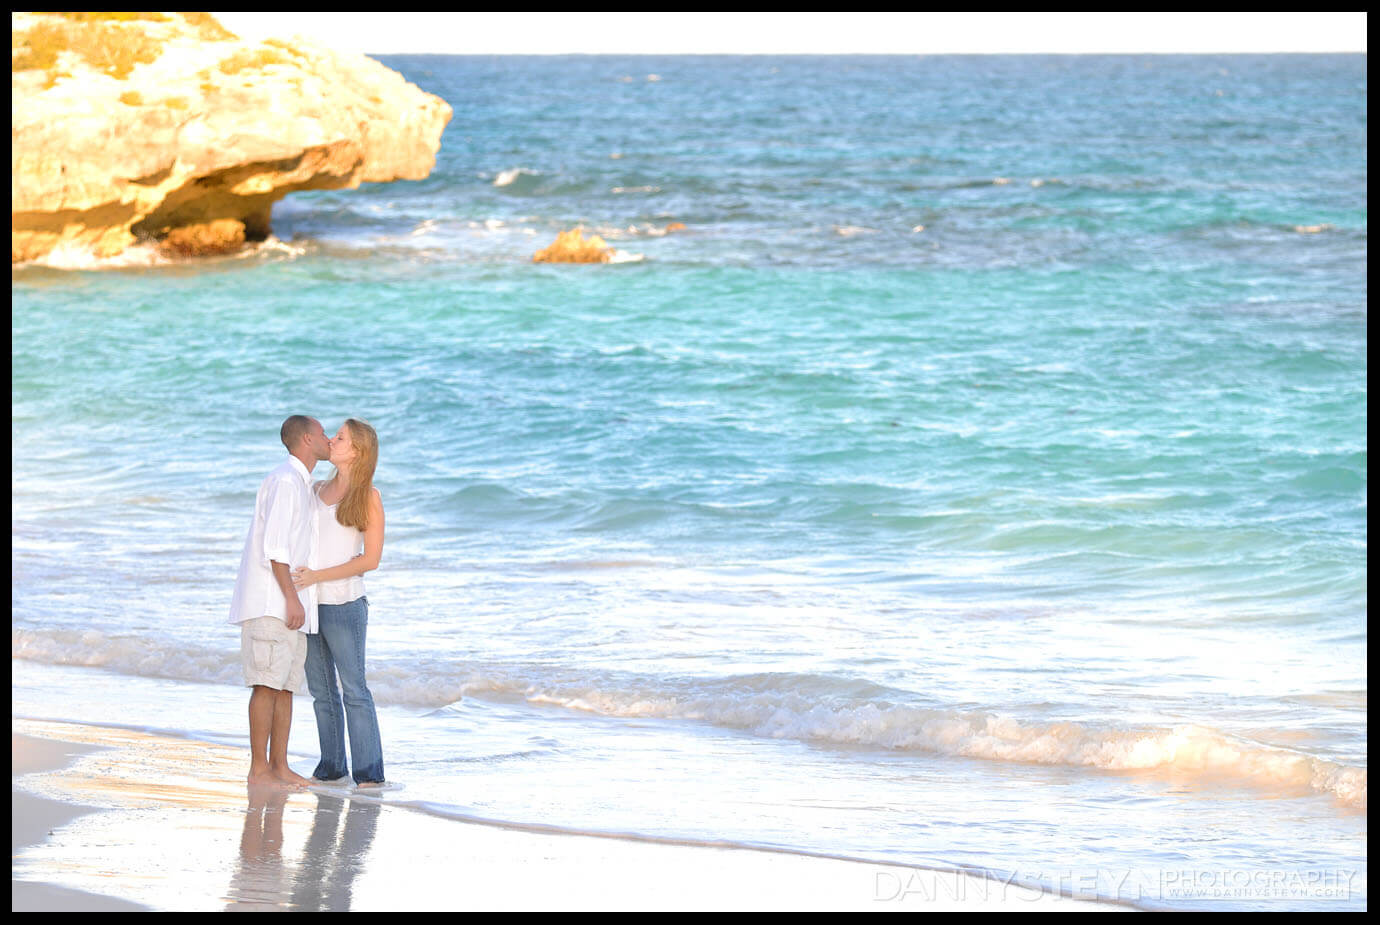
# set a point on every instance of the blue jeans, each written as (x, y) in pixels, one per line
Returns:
(339, 647)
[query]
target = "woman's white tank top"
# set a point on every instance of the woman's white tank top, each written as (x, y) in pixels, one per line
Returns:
(335, 544)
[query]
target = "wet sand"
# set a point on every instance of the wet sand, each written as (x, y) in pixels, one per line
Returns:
(110, 819)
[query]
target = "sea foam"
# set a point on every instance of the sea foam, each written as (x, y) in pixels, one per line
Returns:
(811, 708)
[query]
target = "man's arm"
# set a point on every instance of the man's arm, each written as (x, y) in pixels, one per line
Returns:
(296, 614)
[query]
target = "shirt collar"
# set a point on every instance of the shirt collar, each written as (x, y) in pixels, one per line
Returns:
(300, 468)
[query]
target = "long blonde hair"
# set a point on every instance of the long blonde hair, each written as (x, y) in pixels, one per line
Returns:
(354, 506)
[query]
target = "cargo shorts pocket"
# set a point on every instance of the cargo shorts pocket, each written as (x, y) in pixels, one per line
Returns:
(261, 651)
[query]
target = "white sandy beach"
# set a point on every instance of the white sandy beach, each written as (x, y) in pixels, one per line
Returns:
(109, 819)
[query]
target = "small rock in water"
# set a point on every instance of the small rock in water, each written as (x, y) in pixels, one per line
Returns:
(573, 247)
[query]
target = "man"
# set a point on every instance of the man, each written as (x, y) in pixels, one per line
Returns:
(273, 618)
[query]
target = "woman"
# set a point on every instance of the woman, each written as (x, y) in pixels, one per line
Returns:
(349, 512)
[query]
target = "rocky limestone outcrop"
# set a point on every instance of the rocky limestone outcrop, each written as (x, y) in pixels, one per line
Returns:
(171, 131)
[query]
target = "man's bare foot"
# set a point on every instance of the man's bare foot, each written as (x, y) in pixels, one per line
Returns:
(271, 781)
(371, 784)
(261, 775)
(288, 776)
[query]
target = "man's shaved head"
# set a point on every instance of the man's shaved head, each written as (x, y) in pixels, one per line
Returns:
(294, 429)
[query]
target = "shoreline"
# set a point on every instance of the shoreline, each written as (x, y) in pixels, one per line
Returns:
(154, 822)
(34, 818)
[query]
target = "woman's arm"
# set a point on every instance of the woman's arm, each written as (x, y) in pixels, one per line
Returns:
(366, 561)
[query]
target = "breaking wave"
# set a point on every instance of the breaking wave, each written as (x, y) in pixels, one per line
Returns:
(811, 708)
(145, 255)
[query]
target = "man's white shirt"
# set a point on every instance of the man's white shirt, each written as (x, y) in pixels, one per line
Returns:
(284, 530)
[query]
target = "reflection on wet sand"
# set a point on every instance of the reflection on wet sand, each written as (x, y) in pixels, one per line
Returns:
(173, 829)
(322, 879)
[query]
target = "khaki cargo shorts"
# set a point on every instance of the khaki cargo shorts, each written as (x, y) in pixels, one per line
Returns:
(273, 655)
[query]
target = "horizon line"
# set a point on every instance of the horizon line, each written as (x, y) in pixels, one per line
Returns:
(753, 34)
(852, 54)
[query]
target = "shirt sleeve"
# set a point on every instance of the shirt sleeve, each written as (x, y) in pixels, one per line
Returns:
(280, 508)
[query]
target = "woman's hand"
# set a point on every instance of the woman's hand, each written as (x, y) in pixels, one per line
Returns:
(303, 578)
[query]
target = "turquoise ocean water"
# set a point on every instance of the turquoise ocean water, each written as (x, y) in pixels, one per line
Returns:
(978, 479)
